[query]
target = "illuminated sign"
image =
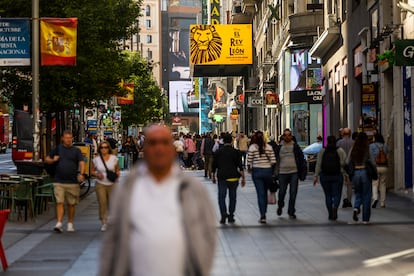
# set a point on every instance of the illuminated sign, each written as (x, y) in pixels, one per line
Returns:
(221, 44)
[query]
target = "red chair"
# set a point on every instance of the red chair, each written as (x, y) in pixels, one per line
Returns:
(3, 218)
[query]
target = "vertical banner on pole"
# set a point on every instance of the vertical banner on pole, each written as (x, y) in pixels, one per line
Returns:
(14, 42)
(408, 130)
(58, 41)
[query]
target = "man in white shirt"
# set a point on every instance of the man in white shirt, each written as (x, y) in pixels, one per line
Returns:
(162, 221)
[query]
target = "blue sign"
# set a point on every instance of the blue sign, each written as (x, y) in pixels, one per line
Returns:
(14, 42)
(92, 123)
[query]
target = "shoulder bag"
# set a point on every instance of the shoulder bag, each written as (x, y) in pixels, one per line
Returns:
(110, 175)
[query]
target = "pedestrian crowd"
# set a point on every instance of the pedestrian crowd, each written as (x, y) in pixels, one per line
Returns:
(159, 207)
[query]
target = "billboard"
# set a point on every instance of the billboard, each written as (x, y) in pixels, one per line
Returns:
(305, 72)
(183, 98)
(221, 44)
(178, 62)
(14, 42)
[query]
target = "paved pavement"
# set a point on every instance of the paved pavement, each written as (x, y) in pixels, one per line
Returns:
(310, 245)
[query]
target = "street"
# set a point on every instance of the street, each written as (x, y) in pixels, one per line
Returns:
(6, 163)
(310, 245)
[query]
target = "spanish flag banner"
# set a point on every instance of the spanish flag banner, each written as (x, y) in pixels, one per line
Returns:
(129, 98)
(58, 41)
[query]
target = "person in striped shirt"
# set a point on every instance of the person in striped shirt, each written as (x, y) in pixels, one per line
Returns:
(260, 160)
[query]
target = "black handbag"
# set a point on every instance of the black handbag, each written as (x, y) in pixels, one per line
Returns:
(110, 175)
(372, 171)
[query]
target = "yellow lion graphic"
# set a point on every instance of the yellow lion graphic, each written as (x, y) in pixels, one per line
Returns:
(205, 44)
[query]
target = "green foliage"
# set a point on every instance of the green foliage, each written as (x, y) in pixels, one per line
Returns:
(149, 104)
(101, 25)
(388, 55)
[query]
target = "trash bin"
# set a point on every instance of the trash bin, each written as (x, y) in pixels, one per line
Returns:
(121, 161)
(4, 214)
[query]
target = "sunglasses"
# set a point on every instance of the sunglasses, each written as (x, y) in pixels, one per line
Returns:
(104, 147)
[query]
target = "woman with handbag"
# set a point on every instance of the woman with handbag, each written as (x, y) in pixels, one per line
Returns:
(364, 171)
(105, 168)
(260, 160)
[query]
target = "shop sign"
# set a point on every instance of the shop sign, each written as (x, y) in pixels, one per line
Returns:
(309, 96)
(404, 52)
(255, 101)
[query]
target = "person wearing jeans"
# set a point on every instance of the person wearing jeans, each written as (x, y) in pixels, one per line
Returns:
(286, 179)
(290, 158)
(262, 179)
(227, 162)
(330, 169)
(363, 194)
(260, 160)
(361, 181)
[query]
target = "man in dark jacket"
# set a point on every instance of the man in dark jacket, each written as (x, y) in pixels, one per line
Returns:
(228, 163)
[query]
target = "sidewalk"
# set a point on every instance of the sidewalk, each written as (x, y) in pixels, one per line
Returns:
(310, 245)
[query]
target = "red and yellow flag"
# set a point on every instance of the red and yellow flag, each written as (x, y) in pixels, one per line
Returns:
(58, 41)
(129, 98)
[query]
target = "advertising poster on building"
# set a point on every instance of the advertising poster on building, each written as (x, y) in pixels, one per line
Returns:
(305, 71)
(369, 108)
(221, 44)
(183, 98)
(206, 104)
(14, 42)
(179, 64)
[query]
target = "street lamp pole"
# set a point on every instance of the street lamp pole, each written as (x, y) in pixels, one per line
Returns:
(35, 80)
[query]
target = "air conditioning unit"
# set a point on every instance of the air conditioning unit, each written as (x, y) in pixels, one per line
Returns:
(90, 114)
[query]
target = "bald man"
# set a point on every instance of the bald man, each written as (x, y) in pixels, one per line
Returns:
(346, 143)
(162, 221)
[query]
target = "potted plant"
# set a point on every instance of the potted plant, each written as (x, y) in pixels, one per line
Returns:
(386, 60)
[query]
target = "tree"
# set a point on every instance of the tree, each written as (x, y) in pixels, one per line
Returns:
(102, 24)
(149, 103)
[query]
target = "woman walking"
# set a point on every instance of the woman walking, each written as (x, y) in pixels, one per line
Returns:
(379, 150)
(362, 161)
(103, 163)
(330, 169)
(260, 160)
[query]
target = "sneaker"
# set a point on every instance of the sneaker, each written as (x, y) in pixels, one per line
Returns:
(58, 228)
(70, 227)
(366, 222)
(231, 219)
(262, 220)
(279, 211)
(292, 216)
(103, 227)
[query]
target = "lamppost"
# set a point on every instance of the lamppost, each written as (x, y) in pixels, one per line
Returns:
(35, 80)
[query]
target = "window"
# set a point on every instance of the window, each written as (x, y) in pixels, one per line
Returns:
(147, 10)
(149, 38)
(148, 23)
(149, 54)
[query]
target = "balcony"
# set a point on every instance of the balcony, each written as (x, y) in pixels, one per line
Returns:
(240, 16)
(305, 24)
(249, 6)
(328, 38)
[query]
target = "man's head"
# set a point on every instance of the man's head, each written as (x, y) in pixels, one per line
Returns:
(287, 135)
(158, 147)
(346, 132)
(227, 138)
(67, 138)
